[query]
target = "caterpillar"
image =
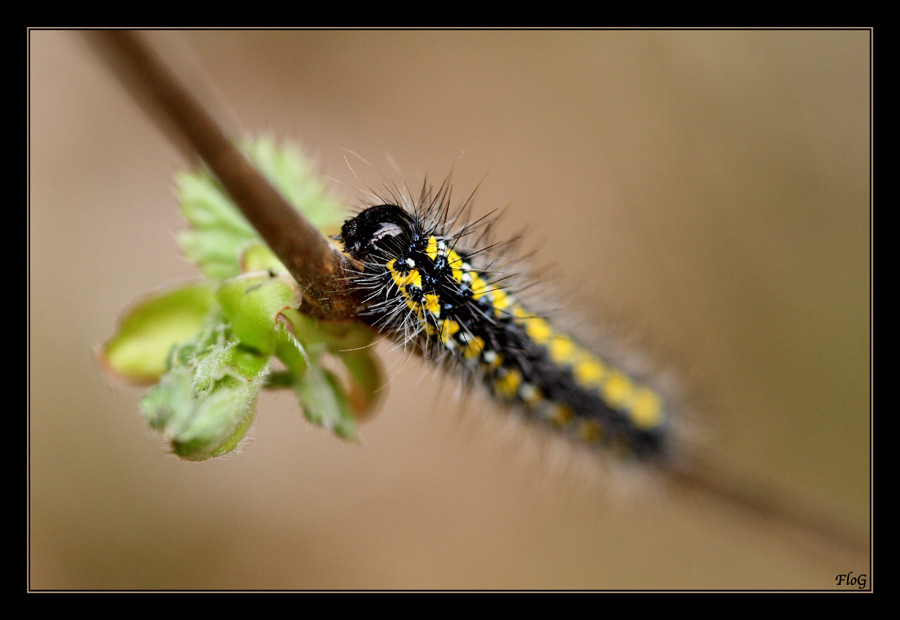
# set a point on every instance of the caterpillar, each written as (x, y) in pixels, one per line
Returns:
(425, 287)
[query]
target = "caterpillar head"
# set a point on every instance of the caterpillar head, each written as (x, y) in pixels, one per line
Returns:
(380, 230)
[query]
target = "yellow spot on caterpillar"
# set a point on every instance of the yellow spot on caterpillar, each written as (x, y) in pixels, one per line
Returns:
(474, 347)
(432, 304)
(646, 409)
(390, 265)
(561, 349)
(501, 301)
(449, 327)
(537, 328)
(455, 262)
(507, 385)
(618, 389)
(562, 416)
(413, 277)
(590, 431)
(432, 249)
(589, 371)
(479, 287)
(420, 315)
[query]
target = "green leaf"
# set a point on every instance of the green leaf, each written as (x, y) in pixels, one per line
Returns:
(217, 230)
(251, 303)
(206, 403)
(365, 383)
(325, 403)
(139, 350)
(218, 233)
(296, 177)
(257, 256)
(350, 344)
(209, 346)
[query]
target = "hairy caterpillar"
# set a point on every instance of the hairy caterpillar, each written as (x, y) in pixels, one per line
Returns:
(425, 286)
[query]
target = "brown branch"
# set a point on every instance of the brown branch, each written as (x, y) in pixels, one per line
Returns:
(311, 260)
(781, 516)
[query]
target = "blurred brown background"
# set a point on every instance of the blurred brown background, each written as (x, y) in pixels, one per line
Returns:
(708, 190)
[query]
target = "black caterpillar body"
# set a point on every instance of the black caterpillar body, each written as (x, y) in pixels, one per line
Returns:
(423, 290)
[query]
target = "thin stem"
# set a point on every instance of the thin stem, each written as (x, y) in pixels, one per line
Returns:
(770, 510)
(311, 260)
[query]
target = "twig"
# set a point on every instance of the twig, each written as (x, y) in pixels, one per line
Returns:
(767, 509)
(311, 260)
